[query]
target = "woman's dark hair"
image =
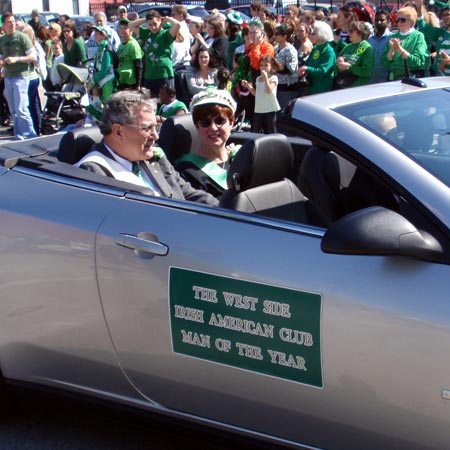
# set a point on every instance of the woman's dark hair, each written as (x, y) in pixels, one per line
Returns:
(217, 24)
(232, 29)
(73, 26)
(212, 110)
(284, 30)
(195, 62)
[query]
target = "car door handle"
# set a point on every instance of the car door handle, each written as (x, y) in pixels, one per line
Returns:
(143, 242)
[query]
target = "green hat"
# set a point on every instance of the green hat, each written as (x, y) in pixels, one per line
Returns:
(235, 17)
(124, 21)
(256, 23)
(101, 29)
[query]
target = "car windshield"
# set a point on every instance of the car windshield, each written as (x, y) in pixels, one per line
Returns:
(417, 123)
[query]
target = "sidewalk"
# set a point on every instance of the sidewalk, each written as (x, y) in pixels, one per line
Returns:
(5, 136)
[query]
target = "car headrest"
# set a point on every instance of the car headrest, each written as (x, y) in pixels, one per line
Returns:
(263, 160)
(76, 143)
(178, 136)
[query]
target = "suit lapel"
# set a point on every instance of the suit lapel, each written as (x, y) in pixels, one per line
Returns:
(158, 178)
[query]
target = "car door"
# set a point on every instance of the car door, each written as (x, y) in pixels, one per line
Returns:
(53, 330)
(245, 321)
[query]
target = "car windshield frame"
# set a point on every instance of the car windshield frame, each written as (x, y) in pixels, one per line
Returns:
(416, 123)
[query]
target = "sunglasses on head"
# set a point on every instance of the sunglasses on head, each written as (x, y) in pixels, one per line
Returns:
(205, 123)
(402, 20)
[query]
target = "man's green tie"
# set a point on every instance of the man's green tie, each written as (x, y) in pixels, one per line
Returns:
(137, 171)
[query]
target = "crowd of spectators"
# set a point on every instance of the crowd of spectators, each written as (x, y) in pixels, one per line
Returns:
(263, 63)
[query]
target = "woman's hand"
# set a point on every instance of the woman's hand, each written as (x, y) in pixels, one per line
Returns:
(302, 71)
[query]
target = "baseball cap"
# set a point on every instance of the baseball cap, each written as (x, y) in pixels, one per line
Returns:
(125, 21)
(121, 8)
(212, 96)
(101, 29)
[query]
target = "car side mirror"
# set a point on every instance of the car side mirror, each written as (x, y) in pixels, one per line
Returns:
(380, 231)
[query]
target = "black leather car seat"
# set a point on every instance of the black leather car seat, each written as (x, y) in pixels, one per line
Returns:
(178, 136)
(323, 177)
(338, 187)
(75, 144)
(258, 183)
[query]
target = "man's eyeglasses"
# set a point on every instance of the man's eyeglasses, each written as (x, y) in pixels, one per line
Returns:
(148, 129)
(219, 121)
(67, 31)
(402, 19)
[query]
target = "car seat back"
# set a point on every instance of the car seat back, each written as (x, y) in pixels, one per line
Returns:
(75, 144)
(178, 136)
(258, 183)
(323, 176)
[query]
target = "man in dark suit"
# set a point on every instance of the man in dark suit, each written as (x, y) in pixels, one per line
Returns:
(127, 150)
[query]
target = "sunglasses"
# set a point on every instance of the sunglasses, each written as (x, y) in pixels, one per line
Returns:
(219, 121)
(401, 20)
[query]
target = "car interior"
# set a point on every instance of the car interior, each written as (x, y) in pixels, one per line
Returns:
(272, 175)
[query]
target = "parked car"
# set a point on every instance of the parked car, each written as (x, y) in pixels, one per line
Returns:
(80, 20)
(249, 317)
(166, 10)
(25, 17)
(50, 16)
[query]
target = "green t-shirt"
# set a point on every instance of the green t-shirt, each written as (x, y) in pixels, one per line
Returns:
(128, 52)
(173, 108)
(16, 44)
(157, 53)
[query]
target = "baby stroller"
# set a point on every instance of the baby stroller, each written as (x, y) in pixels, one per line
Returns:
(66, 106)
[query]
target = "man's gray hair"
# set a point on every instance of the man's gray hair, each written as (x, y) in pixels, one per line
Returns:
(101, 14)
(123, 107)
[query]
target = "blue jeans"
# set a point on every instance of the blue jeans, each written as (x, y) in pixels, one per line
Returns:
(35, 103)
(16, 93)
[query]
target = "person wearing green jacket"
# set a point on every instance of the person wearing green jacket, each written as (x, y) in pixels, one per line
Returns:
(355, 62)
(406, 48)
(319, 67)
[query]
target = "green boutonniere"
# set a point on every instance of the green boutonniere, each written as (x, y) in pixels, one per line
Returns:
(158, 153)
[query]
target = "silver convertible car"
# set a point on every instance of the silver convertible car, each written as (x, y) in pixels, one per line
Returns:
(311, 309)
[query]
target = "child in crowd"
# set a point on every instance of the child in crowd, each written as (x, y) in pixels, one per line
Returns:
(224, 79)
(265, 92)
(58, 57)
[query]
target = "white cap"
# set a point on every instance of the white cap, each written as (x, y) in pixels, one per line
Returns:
(213, 96)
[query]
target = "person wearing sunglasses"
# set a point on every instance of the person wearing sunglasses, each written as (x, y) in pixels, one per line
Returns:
(206, 166)
(128, 153)
(406, 50)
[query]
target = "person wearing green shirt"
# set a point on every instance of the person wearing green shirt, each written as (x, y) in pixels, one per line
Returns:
(319, 67)
(157, 41)
(104, 79)
(130, 58)
(170, 105)
(355, 62)
(406, 49)
(17, 59)
(440, 36)
(73, 45)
